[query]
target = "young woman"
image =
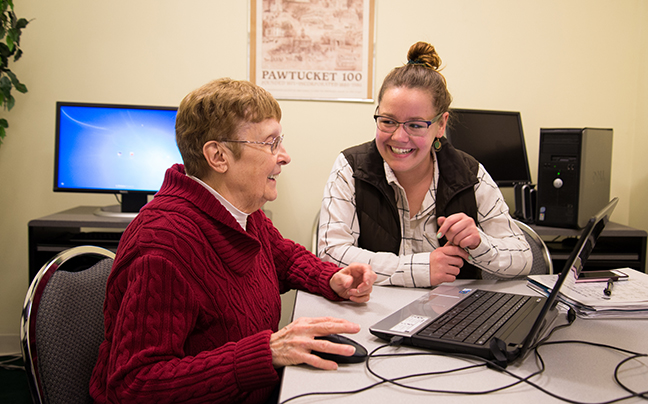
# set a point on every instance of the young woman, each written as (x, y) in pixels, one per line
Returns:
(418, 210)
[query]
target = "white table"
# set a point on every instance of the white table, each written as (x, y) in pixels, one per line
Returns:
(578, 372)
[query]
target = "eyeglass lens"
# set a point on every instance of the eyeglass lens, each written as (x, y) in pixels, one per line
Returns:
(414, 128)
(275, 144)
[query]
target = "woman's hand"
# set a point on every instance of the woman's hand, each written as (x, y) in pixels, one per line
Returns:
(354, 282)
(460, 230)
(445, 264)
(446, 261)
(292, 345)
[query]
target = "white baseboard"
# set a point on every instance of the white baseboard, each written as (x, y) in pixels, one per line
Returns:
(9, 344)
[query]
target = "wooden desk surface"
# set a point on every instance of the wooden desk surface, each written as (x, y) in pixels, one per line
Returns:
(579, 372)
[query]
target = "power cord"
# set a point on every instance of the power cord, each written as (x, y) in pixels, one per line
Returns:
(633, 355)
(481, 362)
(393, 341)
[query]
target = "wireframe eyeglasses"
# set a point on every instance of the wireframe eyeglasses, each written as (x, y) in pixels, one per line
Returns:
(416, 127)
(274, 145)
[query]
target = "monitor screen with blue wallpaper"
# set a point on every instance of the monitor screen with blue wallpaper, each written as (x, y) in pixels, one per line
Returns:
(104, 148)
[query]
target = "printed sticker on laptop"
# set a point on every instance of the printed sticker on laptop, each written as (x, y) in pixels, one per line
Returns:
(410, 323)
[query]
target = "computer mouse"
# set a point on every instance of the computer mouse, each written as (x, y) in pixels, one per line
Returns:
(359, 356)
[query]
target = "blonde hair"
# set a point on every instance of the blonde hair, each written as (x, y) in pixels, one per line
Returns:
(421, 72)
(215, 111)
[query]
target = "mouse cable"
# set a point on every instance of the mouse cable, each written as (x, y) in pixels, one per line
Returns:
(397, 341)
(359, 390)
(481, 363)
(333, 393)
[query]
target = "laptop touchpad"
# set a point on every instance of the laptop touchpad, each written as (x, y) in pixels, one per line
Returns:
(446, 295)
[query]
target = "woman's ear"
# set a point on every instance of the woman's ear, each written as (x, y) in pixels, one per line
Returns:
(217, 158)
(443, 122)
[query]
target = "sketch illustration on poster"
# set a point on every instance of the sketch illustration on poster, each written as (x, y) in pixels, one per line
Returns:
(313, 49)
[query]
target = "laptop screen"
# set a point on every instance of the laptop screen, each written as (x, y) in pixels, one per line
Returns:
(576, 261)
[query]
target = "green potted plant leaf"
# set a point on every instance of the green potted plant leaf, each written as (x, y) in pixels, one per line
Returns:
(9, 47)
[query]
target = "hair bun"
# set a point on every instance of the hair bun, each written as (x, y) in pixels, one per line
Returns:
(422, 53)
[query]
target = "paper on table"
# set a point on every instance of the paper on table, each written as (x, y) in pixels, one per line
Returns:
(630, 295)
(632, 291)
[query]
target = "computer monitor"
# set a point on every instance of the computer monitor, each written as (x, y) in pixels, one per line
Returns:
(116, 149)
(495, 139)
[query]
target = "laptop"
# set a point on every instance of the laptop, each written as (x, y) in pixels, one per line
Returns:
(436, 321)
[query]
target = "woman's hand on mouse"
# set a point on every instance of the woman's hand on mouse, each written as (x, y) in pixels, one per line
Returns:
(292, 345)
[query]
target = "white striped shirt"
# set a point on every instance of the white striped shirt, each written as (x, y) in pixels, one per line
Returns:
(503, 250)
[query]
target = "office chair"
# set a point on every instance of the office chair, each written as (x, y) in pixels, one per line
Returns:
(315, 233)
(542, 264)
(541, 258)
(62, 324)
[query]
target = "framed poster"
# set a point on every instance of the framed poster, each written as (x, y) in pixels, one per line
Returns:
(313, 49)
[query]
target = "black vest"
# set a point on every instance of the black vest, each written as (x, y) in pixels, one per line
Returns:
(376, 202)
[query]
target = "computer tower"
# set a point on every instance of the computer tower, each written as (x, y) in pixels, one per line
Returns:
(525, 202)
(574, 169)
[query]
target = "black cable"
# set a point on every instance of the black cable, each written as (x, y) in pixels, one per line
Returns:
(321, 393)
(359, 390)
(483, 362)
(633, 355)
(644, 394)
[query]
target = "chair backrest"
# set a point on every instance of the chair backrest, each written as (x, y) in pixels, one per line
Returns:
(541, 256)
(315, 233)
(62, 324)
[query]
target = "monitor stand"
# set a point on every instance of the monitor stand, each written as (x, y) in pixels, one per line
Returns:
(114, 211)
(130, 207)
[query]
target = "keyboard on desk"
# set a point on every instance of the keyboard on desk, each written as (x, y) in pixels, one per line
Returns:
(476, 318)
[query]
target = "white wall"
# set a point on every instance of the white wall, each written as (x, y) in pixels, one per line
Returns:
(561, 63)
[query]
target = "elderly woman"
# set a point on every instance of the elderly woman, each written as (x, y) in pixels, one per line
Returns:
(193, 300)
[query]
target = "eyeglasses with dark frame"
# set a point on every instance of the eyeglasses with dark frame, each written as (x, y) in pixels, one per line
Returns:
(415, 127)
(274, 145)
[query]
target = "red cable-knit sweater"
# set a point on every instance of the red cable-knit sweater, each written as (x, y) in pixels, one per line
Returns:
(193, 298)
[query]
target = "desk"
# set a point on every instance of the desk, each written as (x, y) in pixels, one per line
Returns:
(52, 234)
(49, 235)
(579, 372)
(618, 246)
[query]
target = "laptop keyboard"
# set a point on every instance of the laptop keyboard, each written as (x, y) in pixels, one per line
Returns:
(476, 318)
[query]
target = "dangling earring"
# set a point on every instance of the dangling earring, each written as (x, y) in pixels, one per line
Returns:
(437, 145)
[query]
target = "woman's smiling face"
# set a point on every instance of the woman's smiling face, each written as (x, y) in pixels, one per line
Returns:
(251, 180)
(405, 154)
